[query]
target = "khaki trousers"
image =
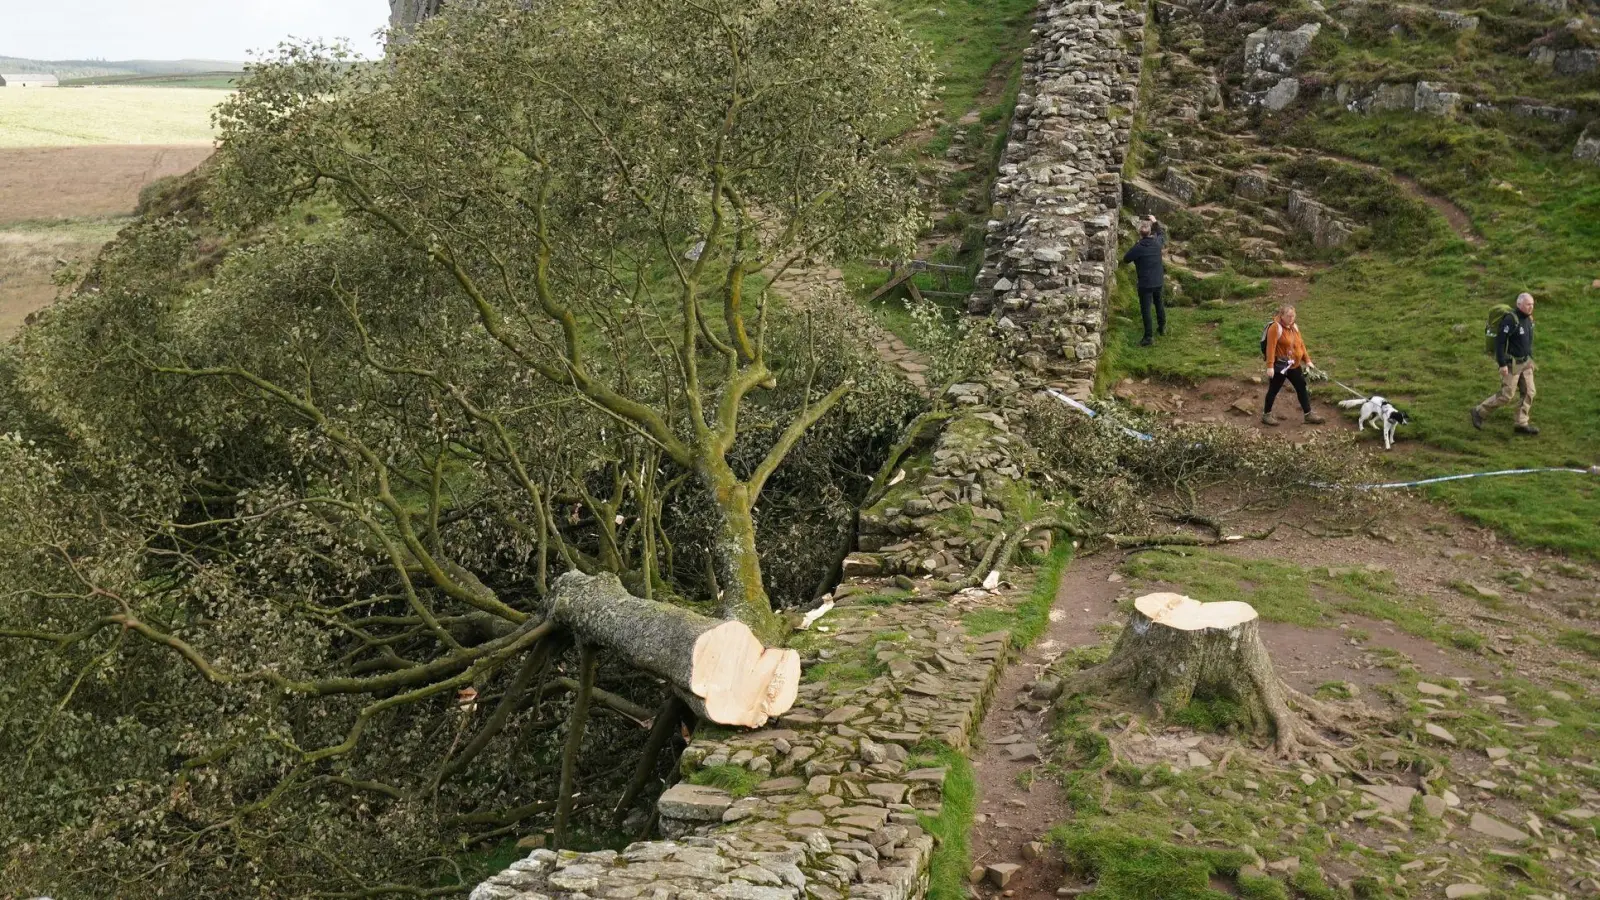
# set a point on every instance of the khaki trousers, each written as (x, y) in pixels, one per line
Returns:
(1520, 378)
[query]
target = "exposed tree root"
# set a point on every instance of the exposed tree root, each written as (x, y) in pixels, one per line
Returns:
(1175, 650)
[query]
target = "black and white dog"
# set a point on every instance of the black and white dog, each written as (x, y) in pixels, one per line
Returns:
(1382, 414)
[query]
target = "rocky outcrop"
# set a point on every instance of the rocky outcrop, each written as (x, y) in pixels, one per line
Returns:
(1571, 61)
(1324, 227)
(1431, 101)
(1049, 263)
(1276, 52)
(1548, 113)
(1578, 61)
(407, 14)
(1421, 97)
(1588, 148)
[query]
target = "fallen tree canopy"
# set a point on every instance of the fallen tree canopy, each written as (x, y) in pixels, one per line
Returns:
(288, 482)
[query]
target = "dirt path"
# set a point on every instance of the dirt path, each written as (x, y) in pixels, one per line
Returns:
(1459, 221)
(1428, 552)
(1017, 802)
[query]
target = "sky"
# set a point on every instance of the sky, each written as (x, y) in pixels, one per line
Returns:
(180, 29)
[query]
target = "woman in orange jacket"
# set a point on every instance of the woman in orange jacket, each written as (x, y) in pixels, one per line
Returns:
(1286, 354)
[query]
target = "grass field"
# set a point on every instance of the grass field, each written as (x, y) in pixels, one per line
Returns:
(63, 117)
(1406, 321)
(208, 80)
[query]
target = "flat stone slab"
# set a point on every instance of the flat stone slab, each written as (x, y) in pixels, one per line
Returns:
(1500, 831)
(1393, 799)
(781, 785)
(841, 715)
(1000, 873)
(1026, 752)
(888, 792)
(1434, 690)
(694, 803)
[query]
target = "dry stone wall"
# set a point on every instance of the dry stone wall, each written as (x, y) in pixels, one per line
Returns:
(1051, 257)
(838, 809)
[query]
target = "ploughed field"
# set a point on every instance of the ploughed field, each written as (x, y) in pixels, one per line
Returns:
(72, 163)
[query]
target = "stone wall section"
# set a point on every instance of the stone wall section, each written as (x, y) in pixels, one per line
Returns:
(949, 504)
(1052, 251)
(838, 812)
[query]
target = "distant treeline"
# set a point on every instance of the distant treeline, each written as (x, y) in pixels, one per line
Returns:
(81, 69)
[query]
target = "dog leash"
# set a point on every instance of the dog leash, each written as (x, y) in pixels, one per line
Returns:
(1353, 391)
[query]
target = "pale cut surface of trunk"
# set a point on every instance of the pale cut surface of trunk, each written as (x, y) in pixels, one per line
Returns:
(718, 667)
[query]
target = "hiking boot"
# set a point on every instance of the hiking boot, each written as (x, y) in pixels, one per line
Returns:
(1526, 429)
(1477, 418)
(1267, 419)
(1162, 331)
(1314, 419)
(1147, 341)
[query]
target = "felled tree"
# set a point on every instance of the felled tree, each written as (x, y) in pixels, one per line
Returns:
(608, 187)
(1175, 649)
(282, 532)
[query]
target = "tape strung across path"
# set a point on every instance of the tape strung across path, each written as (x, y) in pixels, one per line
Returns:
(1094, 415)
(1592, 470)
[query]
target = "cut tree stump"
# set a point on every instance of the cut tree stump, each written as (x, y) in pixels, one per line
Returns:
(1176, 648)
(719, 668)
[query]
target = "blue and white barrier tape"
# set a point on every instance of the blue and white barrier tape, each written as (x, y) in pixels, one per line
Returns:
(1094, 415)
(1592, 470)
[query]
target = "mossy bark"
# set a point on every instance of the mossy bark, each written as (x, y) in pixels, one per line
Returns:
(735, 557)
(718, 667)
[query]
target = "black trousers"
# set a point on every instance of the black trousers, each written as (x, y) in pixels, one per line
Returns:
(1295, 376)
(1151, 297)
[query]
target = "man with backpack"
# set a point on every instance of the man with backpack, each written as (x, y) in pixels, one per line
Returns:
(1146, 258)
(1285, 352)
(1510, 338)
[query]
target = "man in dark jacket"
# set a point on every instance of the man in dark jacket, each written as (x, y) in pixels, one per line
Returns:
(1513, 350)
(1146, 258)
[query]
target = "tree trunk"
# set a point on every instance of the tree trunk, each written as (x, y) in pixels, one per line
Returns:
(1175, 649)
(738, 564)
(407, 14)
(719, 668)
